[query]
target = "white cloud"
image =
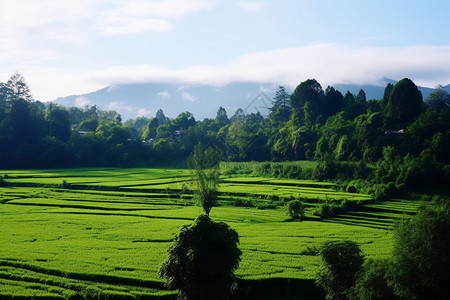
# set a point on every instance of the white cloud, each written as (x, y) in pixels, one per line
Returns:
(164, 94)
(328, 63)
(82, 102)
(188, 97)
(129, 25)
(137, 16)
(144, 112)
(120, 106)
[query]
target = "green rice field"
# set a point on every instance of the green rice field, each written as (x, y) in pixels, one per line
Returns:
(103, 233)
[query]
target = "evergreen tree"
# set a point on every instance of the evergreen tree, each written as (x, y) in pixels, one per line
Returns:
(280, 111)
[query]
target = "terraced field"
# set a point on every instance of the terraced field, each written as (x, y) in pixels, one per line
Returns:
(104, 232)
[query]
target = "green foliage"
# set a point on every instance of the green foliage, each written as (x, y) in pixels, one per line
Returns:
(372, 283)
(329, 209)
(295, 209)
(405, 102)
(202, 260)
(205, 165)
(421, 267)
(341, 264)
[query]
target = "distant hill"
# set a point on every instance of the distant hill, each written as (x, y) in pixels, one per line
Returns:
(133, 100)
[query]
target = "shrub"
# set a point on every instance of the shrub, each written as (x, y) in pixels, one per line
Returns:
(421, 267)
(351, 189)
(341, 264)
(295, 209)
(372, 284)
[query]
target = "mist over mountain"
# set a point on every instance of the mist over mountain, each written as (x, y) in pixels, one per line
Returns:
(203, 101)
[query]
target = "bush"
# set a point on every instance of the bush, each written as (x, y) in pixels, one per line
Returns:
(351, 189)
(341, 264)
(373, 282)
(295, 209)
(330, 209)
(421, 267)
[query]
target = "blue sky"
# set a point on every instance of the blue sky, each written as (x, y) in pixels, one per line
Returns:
(74, 47)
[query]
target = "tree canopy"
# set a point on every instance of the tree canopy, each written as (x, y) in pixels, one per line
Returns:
(202, 259)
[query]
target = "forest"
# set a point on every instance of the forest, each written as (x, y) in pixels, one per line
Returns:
(399, 142)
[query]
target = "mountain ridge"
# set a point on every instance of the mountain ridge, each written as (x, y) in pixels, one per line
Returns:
(202, 100)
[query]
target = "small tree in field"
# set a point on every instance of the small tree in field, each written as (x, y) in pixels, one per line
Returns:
(341, 263)
(202, 260)
(295, 209)
(206, 175)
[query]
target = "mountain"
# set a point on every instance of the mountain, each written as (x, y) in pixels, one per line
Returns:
(133, 100)
(203, 101)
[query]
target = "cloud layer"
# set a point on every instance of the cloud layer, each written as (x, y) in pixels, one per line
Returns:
(328, 63)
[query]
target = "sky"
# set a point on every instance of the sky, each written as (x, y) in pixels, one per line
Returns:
(73, 47)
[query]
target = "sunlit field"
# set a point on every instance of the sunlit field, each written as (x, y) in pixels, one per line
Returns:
(105, 232)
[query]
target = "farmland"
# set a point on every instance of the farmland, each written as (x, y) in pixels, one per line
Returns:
(105, 232)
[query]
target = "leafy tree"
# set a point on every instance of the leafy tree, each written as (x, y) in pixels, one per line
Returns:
(58, 122)
(183, 121)
(206, 174)
(202, 260)
(333, 102)
(308, 91)
(405, 102)
(295, 209)
(421, 268)
(373, 284)
(151, 129)
(341, 263)
(88, 125)
(438, 99)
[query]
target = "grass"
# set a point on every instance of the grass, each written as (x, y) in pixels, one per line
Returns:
(106, 234)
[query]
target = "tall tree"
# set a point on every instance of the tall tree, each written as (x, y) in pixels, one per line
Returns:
(17, 88)
(405, 102)
(222, 117)
(162, 119)
(333, 102)
(361, 97)
(281, 109)
(438, 99)
(58, 122)
(387, 93)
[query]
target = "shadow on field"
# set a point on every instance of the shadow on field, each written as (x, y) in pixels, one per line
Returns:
(279, 289)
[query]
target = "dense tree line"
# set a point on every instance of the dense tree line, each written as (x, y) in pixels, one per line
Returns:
(398, 132)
